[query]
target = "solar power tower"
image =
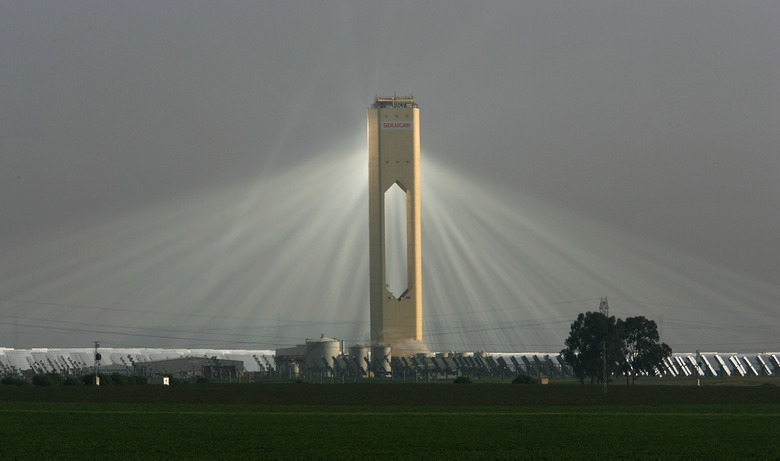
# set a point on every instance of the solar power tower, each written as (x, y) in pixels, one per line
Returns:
(394, 167)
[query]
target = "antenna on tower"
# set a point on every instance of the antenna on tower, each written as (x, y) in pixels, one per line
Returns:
(604, 306)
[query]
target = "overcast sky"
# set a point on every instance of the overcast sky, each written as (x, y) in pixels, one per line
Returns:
(659, 120)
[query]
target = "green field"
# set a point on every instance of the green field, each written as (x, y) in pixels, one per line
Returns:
(390, 421)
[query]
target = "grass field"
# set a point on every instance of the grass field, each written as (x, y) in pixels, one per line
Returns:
(390, 421)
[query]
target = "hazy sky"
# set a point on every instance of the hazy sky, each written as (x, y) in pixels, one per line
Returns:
(659, 120)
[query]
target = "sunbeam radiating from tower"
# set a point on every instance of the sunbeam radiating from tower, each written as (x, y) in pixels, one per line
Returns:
(267, 262)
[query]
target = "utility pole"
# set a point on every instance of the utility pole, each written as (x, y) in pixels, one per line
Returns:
(604, 309)
(97, 364)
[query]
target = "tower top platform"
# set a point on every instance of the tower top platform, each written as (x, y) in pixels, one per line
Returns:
(393, 102)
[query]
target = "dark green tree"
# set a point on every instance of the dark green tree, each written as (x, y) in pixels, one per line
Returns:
(642, 347)
(590, 333)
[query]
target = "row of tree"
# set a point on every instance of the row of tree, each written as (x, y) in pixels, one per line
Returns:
(599, 346)
(56, 379)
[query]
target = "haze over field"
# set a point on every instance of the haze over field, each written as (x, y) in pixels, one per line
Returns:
(195, 175)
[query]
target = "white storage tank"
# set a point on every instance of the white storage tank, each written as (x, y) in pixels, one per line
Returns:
(290, 370)
(321, 347)
(380, 359)
(360, 352)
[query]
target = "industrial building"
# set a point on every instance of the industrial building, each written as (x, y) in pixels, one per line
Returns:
(180, 363)
(327, 358)
(394, 168)
(191, 367)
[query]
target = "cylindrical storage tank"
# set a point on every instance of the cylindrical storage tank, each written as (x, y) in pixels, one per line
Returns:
(289, 370)
(380, 359)
(359, 352)
(316, 349)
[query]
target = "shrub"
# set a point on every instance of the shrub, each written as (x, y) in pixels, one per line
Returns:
(462, 380)
(118, 379)
(47, 379)
(14, 381)
(137, 380)
(525, 379)
(201, 380)
(72, 381)
(114, 379)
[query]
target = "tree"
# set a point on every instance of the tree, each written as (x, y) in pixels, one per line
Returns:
(591, 333)
(631, 346)
(643, 351)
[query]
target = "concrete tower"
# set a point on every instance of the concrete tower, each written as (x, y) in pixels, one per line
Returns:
(394, 160)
